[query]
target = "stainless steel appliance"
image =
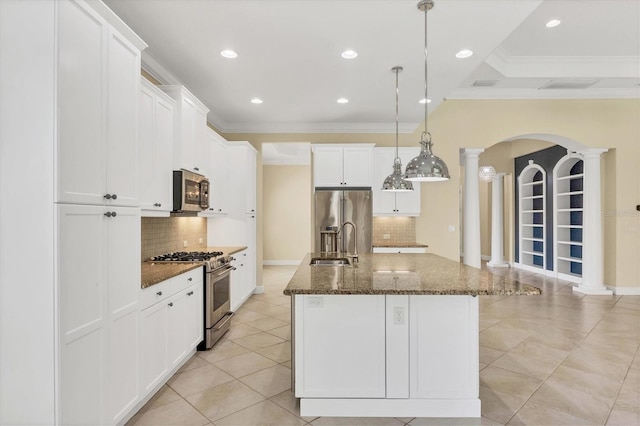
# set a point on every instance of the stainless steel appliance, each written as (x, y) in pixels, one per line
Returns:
(217, 284)
(190, 191)
(334, 207)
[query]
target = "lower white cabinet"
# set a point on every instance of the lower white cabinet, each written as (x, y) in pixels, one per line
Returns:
(172, 326)
(341, 349)
(387, 355)
(99, 275)
(243, 278)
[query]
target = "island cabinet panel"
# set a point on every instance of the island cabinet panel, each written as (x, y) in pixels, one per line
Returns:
(340, 346)
(443, 354)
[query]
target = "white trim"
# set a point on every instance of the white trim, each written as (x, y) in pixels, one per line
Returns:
(373, 407)
(245, 127)
(540, 271)
(624, 291)
(568, 277)
(281, 262)
(286, 162)
(160, 73)
(259, 289)
(504, 93)
(604, 291)
(485, 257)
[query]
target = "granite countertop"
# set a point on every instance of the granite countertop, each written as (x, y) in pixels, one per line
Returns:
(412, 245)
(417, 274)
(156, 272)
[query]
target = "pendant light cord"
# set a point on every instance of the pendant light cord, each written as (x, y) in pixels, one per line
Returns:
(426, 98)
(397, 154)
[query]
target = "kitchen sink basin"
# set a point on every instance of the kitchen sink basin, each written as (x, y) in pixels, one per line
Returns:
(325, 261)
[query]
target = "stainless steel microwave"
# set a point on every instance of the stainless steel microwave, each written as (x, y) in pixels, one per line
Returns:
(190, 191)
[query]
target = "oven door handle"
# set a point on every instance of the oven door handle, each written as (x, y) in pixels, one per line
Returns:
(222, 272)
(225, 319)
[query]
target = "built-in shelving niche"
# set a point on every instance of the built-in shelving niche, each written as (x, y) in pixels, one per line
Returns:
(532, 208)
(568, 192)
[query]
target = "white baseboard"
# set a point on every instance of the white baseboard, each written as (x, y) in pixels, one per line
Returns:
(624, 291)
(259, 289)
(485, 257)
(281, 262)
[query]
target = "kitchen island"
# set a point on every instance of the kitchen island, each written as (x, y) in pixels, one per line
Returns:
(394, 335)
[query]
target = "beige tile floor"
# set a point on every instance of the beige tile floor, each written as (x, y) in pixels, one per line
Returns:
(561, 358)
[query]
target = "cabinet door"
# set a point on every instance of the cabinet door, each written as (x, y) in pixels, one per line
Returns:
(238, 280)
(384, 202)
(123, 278)
(194, 312)
(340, 346)
(82, 56)
(146, 134)
(186, 157)
(327, 166)
(176, 328)
(153, 349)
(443, 347)
(218, 173)
(357, 163)
(123, 86)
(82, 313)
(408, 203)
(237, 179)
(250, 182)
(163, 155)
(200, 143)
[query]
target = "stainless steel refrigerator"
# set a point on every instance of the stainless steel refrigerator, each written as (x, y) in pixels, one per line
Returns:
(334, 207)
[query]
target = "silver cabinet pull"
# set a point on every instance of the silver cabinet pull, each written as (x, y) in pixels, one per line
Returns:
(114, 196)
(110, 214)
(157, 204)
(170, 304)
(159, 293)
(233, 268)
(107, 196)
(196, 169)
(190, 279)
(190, 293)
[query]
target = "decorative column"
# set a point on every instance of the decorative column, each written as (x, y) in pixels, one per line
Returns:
(497, 223)
(471, 206)
(592, 253)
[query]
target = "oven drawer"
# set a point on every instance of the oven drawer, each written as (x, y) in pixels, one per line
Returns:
(158, 292)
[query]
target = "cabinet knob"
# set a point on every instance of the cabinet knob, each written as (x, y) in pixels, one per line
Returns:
(252, 210)
(219, 210)
(253, 216)
(114, 196)
(189, 279)
(233, 268)
(170, 304)
(159, 293)
(242, 264)
(211, 209)
(157, 204)
(107, 196)
(110, 214)
(244, 254)
(196, 169)
(190, 293)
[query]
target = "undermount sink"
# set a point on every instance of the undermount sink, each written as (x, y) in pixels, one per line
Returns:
(325, 261)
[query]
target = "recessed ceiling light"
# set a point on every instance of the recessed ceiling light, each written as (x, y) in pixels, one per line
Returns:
(343, 100)
(256, 101)
(423, 101)
(349, 54)
(553, 23)
(229, 54)
(464, 53)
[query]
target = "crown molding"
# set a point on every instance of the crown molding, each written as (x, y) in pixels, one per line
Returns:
(496, 93)
(317, 128)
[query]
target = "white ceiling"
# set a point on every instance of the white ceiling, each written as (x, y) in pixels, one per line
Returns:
(289, 56)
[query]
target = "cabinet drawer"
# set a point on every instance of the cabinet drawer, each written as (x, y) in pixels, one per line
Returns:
(158, 292)
(399, 249)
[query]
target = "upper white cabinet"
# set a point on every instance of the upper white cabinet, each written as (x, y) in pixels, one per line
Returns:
(386, 203)
(155, 150)
(190, 145)
(98, 86)
(241, 184)
(218, 169)
(342, 165)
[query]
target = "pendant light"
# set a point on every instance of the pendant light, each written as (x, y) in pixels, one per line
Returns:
(395, 181)
(426, 167)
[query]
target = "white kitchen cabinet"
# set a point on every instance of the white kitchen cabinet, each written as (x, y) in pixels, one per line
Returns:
(340, 346)
(172, 327)
(342, 165)
(243, 278)
(97, 109)
(219, 166)
(190, 145)
(387, 355)
(99, 272)
(241, 178)
(399, 249)
(155, 150)
(386, 203)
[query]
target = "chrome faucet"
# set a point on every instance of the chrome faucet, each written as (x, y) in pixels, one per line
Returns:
(355, 240)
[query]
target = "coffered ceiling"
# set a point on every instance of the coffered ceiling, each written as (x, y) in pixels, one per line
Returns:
(289, 55)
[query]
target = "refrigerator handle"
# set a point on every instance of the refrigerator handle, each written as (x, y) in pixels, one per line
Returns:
(341, 242)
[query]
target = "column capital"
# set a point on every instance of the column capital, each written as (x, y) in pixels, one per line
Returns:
(593, 152)
(470, 152)
(498, 176)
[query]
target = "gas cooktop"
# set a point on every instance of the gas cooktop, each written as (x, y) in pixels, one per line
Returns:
(186, 256)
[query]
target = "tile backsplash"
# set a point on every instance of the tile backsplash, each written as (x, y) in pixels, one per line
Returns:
(167, 234)
(400, 230)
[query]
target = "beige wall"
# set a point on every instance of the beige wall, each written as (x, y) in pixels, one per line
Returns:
(287, 212)
(458, 124)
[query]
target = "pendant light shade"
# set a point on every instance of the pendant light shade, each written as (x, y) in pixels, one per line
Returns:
(395, 182)
(426, 167)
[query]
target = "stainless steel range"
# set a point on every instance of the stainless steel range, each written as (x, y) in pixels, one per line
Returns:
(217, 281)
